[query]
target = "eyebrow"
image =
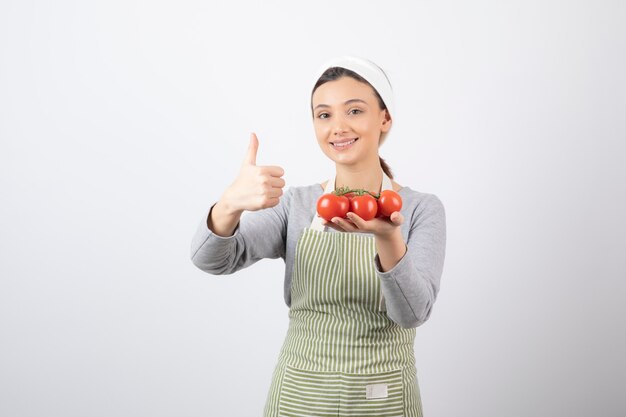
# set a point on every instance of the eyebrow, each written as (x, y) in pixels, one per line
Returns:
(352, 100)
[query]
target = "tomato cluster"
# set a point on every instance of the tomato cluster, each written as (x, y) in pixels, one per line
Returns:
(364, 204)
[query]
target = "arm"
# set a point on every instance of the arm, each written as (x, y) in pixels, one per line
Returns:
(259, 234)
(248, 223)
(410, 287)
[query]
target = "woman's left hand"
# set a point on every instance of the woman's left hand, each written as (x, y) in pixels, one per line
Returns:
(379, 226)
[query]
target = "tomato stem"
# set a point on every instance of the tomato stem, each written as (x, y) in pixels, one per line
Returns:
(356, 191)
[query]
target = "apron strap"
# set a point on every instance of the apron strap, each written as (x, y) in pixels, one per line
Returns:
(316, 224)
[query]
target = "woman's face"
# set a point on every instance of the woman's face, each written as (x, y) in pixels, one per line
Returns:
(348, 121)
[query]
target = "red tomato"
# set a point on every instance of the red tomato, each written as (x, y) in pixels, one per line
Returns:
(331, 205)
(388, 202)
(364, 206)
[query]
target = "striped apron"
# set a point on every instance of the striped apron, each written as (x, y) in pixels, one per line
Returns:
(342, 355)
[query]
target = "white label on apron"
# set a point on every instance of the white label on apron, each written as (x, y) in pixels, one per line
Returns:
(376, 391)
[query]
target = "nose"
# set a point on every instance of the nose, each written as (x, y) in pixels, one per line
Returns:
(339, 127)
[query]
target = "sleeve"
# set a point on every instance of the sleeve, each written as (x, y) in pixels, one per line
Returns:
(411, 286)
(259, 234)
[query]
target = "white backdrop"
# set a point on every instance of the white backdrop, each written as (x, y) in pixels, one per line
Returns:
(122, 121)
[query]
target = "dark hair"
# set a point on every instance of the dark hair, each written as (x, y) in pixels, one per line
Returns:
(334, 73)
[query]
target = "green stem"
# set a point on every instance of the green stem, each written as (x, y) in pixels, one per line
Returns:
(357, 191)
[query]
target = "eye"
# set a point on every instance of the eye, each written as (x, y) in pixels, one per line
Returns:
(323, 116)
(355, 111)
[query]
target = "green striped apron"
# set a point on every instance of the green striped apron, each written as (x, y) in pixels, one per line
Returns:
(342, 355)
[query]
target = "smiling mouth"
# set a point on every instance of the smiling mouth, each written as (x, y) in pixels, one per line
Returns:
(343, 144)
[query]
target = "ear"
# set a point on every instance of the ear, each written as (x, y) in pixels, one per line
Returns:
(386, 123)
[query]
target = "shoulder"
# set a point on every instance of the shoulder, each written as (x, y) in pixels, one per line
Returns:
(415, 198)
(418, 204)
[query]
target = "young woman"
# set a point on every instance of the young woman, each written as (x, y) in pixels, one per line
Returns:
(356, 289)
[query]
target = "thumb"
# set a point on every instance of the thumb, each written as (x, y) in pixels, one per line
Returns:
(252, 150)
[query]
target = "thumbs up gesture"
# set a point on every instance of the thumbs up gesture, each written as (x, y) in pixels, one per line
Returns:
(256, 187)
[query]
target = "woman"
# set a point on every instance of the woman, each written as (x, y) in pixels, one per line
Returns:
(356, 289)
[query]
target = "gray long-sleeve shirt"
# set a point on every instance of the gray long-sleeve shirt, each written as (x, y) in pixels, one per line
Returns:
(410, 287)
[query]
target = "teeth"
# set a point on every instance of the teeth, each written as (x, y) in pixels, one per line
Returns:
(341, 145)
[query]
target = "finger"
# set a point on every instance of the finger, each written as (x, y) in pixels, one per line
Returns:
(275, 192)
(332, 225)
(344, 224)
(396, 218)
(357, 220)
(277, 182)
(274, 171)
(253, 147)
(271, 202)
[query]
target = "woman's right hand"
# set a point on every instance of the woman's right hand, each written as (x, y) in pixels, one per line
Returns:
(256, 187)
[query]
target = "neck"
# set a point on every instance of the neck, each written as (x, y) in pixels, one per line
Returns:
(368, 178)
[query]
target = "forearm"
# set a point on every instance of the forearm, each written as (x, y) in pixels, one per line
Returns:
(409, 277)
(390, 249)
(222, 220)
(409, 293)
(225, 242)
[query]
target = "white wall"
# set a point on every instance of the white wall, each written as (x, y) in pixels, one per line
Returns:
(122, 121)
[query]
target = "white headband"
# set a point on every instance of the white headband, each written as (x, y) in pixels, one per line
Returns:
(371, 72)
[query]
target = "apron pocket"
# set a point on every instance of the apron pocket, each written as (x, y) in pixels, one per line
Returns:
(329, 394)
(377, 394)
(309, 393)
